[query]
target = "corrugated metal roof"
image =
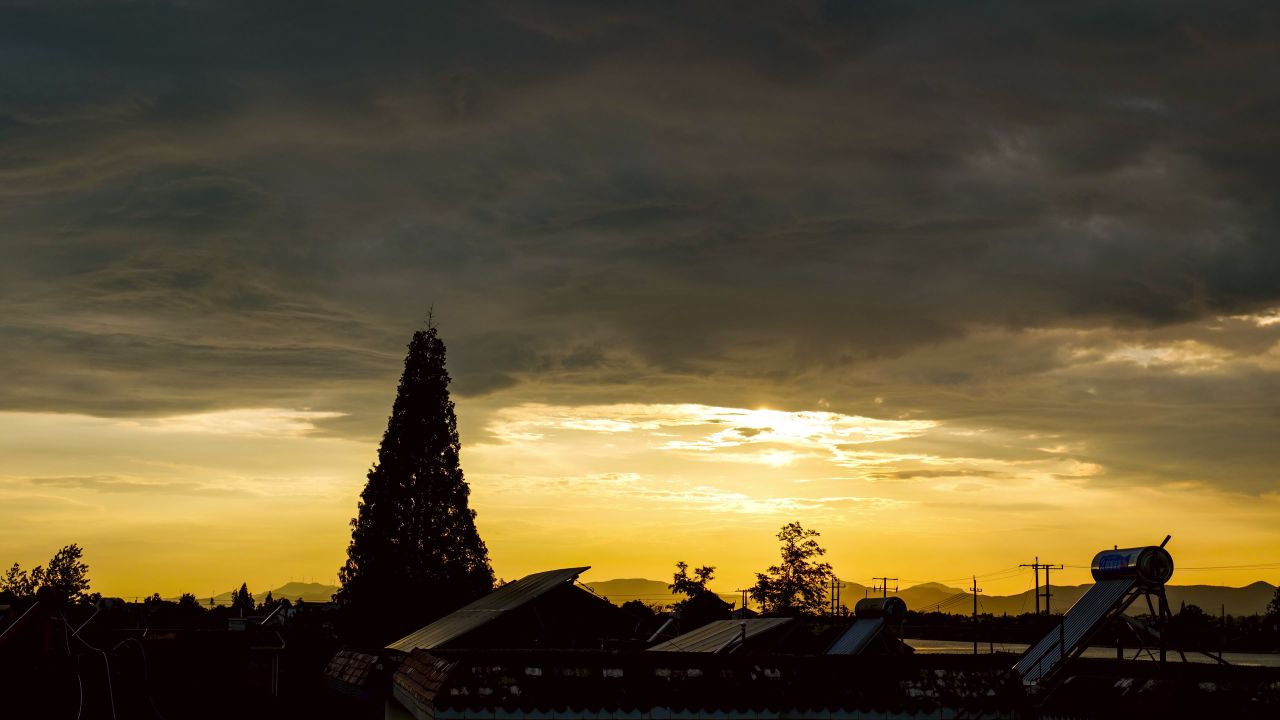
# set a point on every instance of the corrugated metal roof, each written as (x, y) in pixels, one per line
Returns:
(857, 637)
(1079, 622)
(715, 635)
(508, 597)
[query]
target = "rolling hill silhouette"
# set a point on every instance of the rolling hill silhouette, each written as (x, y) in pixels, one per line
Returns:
(1248, 600)
(309, 591)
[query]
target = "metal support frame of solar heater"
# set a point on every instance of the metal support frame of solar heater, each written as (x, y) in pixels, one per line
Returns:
(1143, 632)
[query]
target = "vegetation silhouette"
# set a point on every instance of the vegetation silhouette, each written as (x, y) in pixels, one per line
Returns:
(415, 553)
(700, 605)
(682, 583)
(65, 580)
(798, 584)
(242, 600)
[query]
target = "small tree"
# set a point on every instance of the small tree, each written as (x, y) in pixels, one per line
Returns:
(188, 602)
(242, 600)
(1270, 620)
(67, 576)
(65, 580)
(798, 584)
(683, 584)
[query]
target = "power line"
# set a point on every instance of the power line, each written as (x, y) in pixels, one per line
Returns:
(1195, 568)
(1262, 566)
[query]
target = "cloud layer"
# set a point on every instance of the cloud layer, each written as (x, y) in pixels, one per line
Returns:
(1052, 229)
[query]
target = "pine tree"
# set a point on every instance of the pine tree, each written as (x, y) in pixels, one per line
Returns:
(415, 553)
(242, 600)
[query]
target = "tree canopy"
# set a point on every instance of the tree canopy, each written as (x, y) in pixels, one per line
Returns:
(797, 584)
(242, 600)
(690, 585)
(66, 579)
(415, 553)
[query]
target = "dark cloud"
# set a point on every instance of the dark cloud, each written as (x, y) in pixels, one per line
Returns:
(214, 204)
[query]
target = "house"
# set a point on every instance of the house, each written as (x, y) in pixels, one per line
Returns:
(543, 610)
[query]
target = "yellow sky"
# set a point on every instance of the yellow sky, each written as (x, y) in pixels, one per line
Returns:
(202, 502)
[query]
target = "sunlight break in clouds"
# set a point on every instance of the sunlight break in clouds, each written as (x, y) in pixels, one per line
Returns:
(1187, 356)
(273, 422)
(634, 487)
(1261, 319)
(775, 437)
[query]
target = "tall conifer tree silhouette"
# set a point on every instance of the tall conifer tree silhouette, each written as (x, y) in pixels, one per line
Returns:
(415, 553)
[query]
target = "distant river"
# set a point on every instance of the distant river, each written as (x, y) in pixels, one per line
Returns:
(960, 647)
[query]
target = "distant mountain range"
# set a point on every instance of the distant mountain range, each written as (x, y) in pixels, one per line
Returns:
(1247, 600)
(646, 591)
(311, 592)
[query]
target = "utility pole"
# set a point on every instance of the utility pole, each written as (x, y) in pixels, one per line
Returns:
(975, 590)
(1037, 566)
(1048, 589)
(744, 600)
(884, 585)
(835, 596)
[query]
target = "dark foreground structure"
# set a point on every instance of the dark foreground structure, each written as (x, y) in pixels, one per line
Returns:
(670, 685)
(545, 649)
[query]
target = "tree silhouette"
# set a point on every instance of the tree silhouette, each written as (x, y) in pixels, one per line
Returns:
(683, 584)
(798, 584)
(415, 553)
(18, 582)
(65, 580)
(67, 576)
(242, 600)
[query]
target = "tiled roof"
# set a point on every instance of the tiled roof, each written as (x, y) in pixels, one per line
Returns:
(416, 683)
(362, 673)
(582, 683)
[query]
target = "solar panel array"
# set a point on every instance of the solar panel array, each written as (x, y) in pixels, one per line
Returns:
(715, 636)
(857, 637)
(1079, 623)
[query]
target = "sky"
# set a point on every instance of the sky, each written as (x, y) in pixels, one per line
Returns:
(958, 285)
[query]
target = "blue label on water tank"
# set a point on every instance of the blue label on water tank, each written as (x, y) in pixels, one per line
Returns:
(1111, 562)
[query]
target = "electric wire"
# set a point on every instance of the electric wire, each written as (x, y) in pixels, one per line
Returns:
(111, 693)
(146, 674)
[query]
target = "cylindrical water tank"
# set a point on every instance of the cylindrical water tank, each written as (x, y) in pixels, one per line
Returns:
(1151, 564)
(891, 609)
